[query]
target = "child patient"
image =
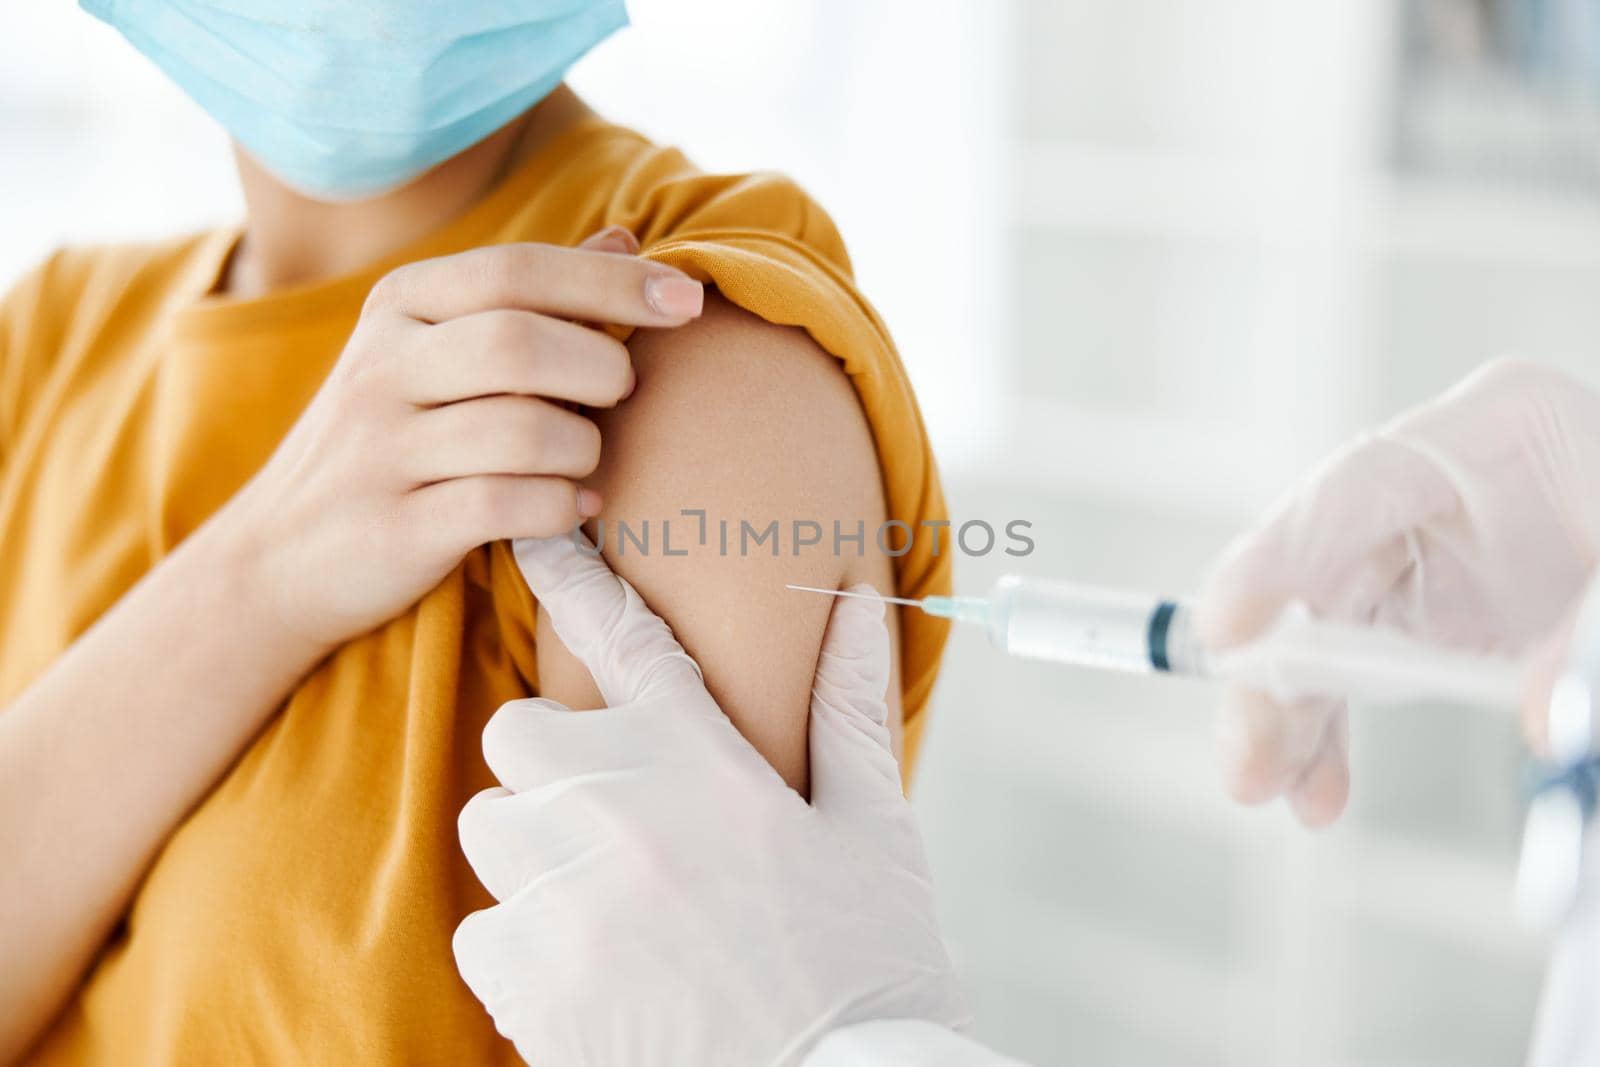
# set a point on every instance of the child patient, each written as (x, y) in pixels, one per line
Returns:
(256, 602)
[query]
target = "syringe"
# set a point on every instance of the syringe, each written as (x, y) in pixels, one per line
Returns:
(1296, 657)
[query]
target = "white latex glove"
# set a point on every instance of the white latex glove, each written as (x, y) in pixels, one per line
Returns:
(664, 897)
(1473, 521)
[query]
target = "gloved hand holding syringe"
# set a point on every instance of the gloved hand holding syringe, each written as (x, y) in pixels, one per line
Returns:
(1295, 658)
(1470, 525)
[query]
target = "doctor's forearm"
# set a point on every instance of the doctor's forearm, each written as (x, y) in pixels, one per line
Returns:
(103, 755)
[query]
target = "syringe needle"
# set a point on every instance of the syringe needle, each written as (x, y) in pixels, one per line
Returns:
(859, 596)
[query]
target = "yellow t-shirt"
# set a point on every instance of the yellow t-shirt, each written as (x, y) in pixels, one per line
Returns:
(303, 912)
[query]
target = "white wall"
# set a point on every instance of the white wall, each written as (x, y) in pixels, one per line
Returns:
(1145, 259)
(1219, 272)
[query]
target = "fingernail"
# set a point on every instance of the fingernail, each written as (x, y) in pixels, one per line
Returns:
(588, 503)
(674, 296)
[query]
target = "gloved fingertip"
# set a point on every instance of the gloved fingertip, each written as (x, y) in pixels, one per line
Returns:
(1321, 796)
(472, 810)
(1250, 745)
(547, 562)
(473, 936)
(867, 601)
(474, 825)
(855, 623)
(511, 725)
(461, 938)
(855, 646)
(1251, 782)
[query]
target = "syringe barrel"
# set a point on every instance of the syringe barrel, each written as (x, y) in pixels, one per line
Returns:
(1109, 629)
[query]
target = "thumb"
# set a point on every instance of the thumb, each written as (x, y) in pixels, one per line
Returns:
(618, 239)
(853, 768)
(629, 651)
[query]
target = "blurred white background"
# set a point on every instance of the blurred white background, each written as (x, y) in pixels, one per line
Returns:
(1146, 260)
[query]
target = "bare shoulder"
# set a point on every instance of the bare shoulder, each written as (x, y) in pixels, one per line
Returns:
(728, 473)
(762, 403)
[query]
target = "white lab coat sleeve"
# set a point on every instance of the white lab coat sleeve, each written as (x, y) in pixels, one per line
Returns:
(903, 1043)
(1566, 1031)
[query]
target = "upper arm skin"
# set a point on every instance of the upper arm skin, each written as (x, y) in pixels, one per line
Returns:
(754, 422)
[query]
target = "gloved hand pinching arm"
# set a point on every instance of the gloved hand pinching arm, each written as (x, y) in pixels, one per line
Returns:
(1473, 521)
(664, 897)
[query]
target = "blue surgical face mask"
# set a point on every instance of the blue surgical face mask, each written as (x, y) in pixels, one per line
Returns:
(343, 99)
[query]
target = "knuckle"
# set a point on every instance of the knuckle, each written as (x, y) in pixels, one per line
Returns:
(535, 427)
(596, 269)
(511, 269)
(488, 504)
(508, 332)
(618, 281)
(1506, 369)
(389, 291)
(545, 429)
(615, 368)
(481, 272)
(521, 507)
(554, 510)
(1508, 377)
(585, 447)
(358, 404)
(375, 345)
